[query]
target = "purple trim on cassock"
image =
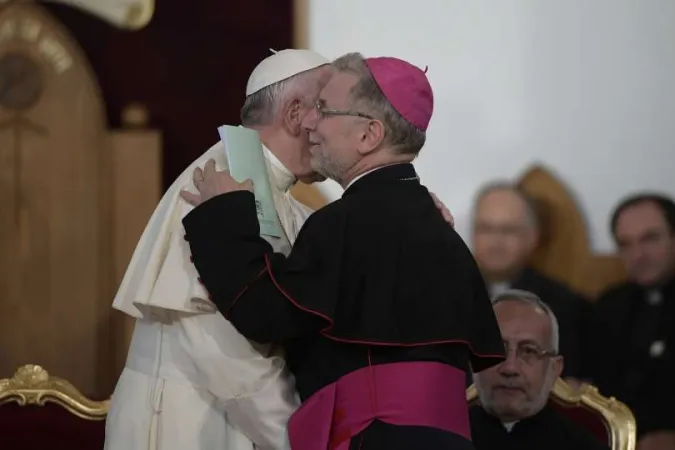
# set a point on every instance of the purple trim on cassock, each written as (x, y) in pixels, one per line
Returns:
(426, 394)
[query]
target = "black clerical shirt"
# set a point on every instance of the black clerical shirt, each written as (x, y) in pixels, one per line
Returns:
(638, 365)
(546, 430)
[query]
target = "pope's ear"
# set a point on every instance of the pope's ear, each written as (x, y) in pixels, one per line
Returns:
(292, 118)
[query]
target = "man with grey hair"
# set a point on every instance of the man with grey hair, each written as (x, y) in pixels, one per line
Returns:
(506, 232)
(191, 381)
(381, 306)
(513, 410)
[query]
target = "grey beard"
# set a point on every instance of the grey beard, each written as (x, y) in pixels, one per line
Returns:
(329, 170)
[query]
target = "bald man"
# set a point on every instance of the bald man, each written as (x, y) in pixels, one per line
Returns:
(506, 232)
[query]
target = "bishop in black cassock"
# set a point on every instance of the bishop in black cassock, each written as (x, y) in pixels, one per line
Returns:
(380, 305)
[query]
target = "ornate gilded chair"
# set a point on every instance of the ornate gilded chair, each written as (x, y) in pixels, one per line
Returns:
(41, 411)
(607, 418)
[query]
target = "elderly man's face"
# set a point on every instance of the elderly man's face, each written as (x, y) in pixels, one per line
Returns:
(315, 81)
(333, 134)
(646, 244)
(504, 236)
(519, 387)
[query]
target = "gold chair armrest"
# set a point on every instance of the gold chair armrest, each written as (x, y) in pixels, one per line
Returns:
(32, 385)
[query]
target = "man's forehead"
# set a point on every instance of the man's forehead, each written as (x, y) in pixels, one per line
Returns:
(320, 74)
(520, 321)
(337, 91)
(639, 219)
(518, 335)
(500, 194)
(501, 202)
(321, 79)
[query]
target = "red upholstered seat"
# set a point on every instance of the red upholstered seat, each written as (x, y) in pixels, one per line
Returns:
(587, 418)
(38, 411)
(32, 427)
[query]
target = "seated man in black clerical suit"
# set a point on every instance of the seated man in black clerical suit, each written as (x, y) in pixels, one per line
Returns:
(638, 366)
(513, 412)
(506, 231)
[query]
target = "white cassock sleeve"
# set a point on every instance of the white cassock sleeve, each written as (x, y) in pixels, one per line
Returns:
(257, 391)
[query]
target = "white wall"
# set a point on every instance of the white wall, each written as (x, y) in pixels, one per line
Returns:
(585, 87)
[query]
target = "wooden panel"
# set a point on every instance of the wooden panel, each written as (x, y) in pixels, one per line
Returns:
(136, 189)
(309, 195)
(188, 66)
(564, 252)
(301, 23)
(54, 292)
(564, 242)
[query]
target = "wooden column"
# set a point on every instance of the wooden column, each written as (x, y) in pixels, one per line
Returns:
(136, 180)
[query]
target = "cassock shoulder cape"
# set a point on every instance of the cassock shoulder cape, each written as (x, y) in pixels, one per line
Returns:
(379, 267)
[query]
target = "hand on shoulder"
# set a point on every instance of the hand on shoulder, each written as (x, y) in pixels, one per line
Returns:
(211, 183)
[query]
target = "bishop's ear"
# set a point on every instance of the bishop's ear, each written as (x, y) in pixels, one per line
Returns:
(371, 137)
(292, 117)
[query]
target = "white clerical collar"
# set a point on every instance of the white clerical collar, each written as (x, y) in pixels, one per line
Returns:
(370, 171)
(509, 425)
(498, 288)
(282, 178)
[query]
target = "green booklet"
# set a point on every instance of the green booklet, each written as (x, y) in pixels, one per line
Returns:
(246, 160)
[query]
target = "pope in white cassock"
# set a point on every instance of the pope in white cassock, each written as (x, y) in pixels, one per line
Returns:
(191, 381)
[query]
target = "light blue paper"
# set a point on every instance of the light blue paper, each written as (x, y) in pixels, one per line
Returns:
(246, 160)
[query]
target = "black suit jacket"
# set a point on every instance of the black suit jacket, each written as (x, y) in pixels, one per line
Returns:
(634, 372)
(548, 429)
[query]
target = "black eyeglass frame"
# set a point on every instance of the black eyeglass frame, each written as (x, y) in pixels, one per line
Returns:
(536, 353)
(327, 112)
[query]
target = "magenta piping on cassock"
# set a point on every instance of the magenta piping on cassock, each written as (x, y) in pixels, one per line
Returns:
(408, 393)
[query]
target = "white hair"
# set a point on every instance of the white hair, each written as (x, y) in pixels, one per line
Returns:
(261, 107)
(531, 207)
(536, 302)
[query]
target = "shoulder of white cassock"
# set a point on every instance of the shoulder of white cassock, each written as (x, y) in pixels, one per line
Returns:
(159, 273)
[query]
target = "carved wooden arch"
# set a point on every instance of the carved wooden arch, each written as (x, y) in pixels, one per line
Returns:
(124, 14)
(564, 252)
(75, 198)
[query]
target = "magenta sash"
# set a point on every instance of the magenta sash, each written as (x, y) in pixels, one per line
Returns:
(409, 393)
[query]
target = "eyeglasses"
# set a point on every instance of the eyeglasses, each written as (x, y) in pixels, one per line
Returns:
(325, 112)
(530, 353)
(503, 230)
